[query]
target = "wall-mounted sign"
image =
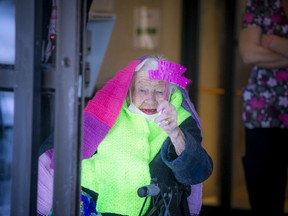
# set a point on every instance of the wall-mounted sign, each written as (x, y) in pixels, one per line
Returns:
(146, 28)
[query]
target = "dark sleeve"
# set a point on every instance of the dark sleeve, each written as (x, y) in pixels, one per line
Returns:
(193, 165)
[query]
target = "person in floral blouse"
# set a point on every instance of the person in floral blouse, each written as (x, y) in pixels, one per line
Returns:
(263, 44)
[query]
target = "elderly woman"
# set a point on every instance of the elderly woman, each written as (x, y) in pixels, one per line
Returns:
(142, 134)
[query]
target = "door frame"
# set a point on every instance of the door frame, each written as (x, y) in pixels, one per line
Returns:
(28, 78)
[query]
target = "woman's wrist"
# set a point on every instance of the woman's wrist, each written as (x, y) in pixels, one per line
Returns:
(178, 140)
(174, 133)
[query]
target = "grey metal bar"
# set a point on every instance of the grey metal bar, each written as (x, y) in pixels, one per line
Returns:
(49, 79)
(66, 193)
(7, 79)
(27, 107)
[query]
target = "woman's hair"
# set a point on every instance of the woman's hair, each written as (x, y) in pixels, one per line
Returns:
(151, 63)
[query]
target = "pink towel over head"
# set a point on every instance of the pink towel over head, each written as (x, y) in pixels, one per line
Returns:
(103, 109)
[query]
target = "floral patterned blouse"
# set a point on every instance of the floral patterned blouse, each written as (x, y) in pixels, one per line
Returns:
(265, 97)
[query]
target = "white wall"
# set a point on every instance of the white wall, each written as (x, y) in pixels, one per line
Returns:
(121, 50)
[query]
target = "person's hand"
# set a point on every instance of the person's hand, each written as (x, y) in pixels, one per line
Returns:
(167, 119)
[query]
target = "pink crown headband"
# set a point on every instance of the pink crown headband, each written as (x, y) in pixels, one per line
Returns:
(171, 73)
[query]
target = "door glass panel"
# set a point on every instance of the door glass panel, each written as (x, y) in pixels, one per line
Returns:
(211, 92)
(7, 33)
(6, 140)
(47, 115)
(49, 31)
(45, 174)
(239, 198)
(239, 188)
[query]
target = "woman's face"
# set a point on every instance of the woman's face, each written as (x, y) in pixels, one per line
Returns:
(146, 93)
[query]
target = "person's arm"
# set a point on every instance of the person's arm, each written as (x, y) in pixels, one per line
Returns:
(194, 165)
(276, 43)
(253, 53)
(178, 139)
(167, 120)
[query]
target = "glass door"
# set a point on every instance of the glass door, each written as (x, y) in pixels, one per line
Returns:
(40, 94)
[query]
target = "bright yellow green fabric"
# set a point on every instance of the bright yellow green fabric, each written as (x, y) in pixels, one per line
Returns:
(121, 164)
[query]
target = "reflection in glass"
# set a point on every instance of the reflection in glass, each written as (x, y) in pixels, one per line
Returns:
(50, 33)
(6, 141)
(7, 32)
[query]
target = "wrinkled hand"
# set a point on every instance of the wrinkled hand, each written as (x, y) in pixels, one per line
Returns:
(167, 119)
